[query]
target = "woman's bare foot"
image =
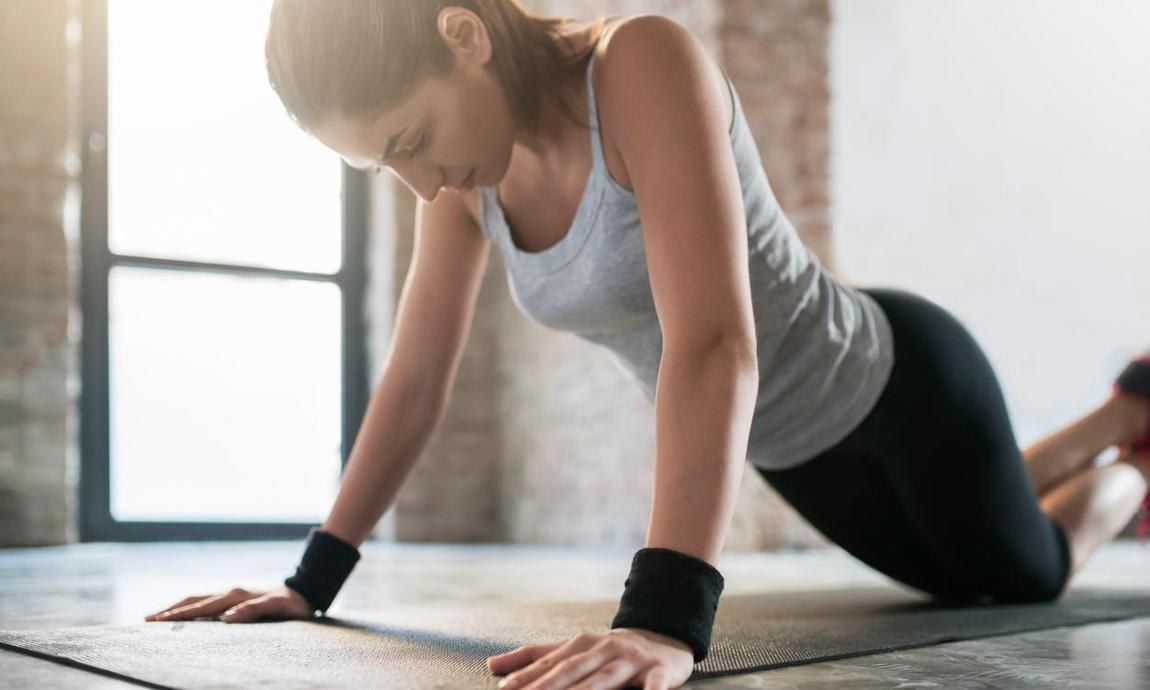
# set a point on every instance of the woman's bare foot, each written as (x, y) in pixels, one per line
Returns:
(1139, 460)
(1136, 411)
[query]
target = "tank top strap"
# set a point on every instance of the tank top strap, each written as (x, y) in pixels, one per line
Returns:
(600, 175)
(593, 119)
(493, 223)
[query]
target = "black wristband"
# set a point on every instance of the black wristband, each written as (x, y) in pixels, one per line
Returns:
(673, 594)
(326, 563)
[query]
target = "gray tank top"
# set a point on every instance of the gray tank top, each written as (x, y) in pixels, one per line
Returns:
(825, 350)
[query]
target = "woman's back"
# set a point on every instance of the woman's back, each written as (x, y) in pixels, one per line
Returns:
(824, 349)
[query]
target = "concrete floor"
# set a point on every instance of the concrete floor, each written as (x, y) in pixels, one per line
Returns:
(106, 583)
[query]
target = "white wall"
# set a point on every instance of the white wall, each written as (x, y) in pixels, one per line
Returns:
(994, 156)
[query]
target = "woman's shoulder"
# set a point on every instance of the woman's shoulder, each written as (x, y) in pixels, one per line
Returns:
(641, 32)
(638, 34)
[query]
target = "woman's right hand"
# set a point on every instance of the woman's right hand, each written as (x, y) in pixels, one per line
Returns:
(239, 605)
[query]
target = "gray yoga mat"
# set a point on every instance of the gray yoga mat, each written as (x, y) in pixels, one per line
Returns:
(445, 646)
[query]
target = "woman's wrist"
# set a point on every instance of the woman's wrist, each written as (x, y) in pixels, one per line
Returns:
(326, 564)
(673, 594)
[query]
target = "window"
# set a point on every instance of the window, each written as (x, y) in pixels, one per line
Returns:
(223, 375)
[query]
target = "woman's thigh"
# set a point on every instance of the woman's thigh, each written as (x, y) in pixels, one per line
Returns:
(845, 494)
(936, 469)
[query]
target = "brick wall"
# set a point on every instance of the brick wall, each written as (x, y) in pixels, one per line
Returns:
(37, 233)
(776, 53)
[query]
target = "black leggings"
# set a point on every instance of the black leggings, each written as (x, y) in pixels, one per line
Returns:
(930, 489)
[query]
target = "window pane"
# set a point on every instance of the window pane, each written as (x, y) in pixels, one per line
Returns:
(203, 161)
(225, 397)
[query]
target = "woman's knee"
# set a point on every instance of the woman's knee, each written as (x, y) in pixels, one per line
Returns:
(1035, 596)
(1040, 587)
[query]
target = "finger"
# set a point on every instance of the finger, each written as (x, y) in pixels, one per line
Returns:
(181, 602)
(212, 606)
(613, 675)
(600, 668)
(251, 610)
(518, 658)
(656, 679)
(161, 612)
(548, 665)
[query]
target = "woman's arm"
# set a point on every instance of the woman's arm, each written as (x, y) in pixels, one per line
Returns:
(703, 411)
(662, 108)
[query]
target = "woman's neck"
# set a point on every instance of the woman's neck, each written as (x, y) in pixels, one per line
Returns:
(547, 146)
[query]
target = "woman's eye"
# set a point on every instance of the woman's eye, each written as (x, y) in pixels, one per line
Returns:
(410, 154)
(418, 147)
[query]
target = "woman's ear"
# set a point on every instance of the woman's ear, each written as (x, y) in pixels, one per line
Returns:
(465, 34)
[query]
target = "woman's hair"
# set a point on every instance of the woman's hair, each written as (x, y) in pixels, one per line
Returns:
(354, 59)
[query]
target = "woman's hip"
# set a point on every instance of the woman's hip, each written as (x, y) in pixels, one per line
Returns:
(941, 386)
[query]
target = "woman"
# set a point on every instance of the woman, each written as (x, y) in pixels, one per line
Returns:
(872, 411)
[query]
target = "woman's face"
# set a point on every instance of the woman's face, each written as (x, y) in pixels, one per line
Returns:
(446, 129)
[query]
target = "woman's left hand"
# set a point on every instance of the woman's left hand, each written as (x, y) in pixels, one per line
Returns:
(589, 661)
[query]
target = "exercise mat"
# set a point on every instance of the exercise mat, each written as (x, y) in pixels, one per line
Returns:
(441, 645)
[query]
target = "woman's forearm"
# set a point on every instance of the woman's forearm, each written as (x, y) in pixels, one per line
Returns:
(702, 417)
(395, 430)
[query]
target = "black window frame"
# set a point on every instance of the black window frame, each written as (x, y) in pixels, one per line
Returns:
(96, 522)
